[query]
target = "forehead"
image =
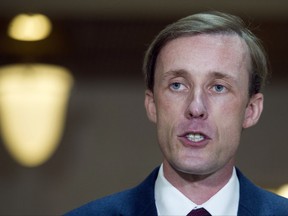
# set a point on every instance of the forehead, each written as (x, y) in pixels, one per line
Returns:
(205, 52)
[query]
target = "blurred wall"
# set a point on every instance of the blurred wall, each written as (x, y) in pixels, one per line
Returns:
(109, 144)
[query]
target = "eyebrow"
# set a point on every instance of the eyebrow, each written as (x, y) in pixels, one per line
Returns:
(184, 73)
(176, 73)
(220, 75)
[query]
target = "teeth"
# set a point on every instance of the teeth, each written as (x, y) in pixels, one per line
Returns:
(195, 137)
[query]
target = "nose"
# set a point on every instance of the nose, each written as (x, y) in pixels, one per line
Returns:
(196, 106)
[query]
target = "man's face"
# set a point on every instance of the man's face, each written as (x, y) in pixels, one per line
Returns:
(200, 101)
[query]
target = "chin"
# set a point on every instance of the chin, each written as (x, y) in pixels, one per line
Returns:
(193, 169)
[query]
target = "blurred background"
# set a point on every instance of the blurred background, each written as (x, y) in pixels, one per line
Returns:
(106, 143)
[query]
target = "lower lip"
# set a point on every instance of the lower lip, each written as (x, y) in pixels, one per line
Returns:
(189, 143)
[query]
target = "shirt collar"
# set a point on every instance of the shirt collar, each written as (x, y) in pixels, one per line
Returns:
(170, 201)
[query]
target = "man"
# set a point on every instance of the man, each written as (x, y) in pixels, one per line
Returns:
(204, 74)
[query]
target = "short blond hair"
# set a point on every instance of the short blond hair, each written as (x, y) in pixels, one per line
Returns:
(210, 23)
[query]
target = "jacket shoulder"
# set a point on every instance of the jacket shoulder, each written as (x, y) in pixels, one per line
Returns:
(257, 201)
(136, 201)
(109, 205)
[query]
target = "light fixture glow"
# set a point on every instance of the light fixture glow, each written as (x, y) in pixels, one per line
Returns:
(29, 27)
(283, 191)
(33, 101)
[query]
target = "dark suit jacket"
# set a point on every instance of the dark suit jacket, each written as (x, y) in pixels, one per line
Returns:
(140, 201)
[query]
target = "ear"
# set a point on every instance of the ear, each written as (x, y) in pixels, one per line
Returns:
(150, 106)
(253, 110)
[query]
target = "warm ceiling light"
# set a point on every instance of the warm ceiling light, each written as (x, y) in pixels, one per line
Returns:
(29, 27)
(283, 191)
(33, 100)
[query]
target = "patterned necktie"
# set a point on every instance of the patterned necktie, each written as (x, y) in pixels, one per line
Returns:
(199, 212)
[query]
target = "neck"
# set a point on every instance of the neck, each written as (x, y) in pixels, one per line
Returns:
(198, 188)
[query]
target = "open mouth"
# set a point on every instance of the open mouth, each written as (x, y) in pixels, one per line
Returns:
(195, 137)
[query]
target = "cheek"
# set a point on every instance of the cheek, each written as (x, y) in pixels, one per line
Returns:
(229, 119)
(166, 115)
(169, 114)
(228, 125)
(169, 107)
(229, 110)
(228, 115)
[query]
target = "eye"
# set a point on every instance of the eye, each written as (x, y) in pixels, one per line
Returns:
(219, 88)
(176, 86)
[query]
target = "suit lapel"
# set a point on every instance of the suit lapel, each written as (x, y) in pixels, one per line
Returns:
(249, 196)
(143, 197)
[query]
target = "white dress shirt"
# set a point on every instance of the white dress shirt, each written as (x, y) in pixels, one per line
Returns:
(170, 201)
